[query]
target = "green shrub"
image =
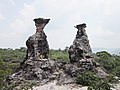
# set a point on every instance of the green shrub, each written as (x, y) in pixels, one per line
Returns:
(59, 55)
(87, 78)
(116, 71)
(104, 55)
(110, 62)
(90, 79)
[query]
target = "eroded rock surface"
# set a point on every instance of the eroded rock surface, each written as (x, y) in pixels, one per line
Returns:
(37, 45)
(41, 69)
(80, 54)
(80, 49)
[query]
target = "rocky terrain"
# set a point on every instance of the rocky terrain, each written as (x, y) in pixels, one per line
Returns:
(53, 86)
(38, 67)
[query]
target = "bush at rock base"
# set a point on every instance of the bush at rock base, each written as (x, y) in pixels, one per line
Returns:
(90, 79)
(111, 63)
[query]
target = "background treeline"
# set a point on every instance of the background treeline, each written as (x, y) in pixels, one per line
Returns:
(10, 60)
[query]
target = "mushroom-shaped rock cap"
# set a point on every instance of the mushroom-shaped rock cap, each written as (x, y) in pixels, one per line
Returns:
(80, 26)
(41, 20)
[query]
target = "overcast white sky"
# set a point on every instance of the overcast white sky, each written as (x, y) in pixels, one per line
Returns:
(101, 16)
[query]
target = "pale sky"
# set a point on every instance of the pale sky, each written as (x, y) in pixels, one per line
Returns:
(101, 16)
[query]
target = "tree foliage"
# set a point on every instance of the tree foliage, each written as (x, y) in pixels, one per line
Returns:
(59, 55)
(110, 62)
(90, 79)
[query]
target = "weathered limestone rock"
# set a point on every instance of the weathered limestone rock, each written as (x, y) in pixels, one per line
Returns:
(37, 44)
(39, 68)
(80, 48)
(80, 54)
(36, 66)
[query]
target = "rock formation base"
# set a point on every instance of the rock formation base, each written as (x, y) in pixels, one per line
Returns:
(44, 70)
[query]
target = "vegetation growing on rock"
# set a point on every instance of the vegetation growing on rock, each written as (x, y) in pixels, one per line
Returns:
(10, 60)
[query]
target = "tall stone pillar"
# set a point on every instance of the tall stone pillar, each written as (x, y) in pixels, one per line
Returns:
(80, 49)
(37, 45)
